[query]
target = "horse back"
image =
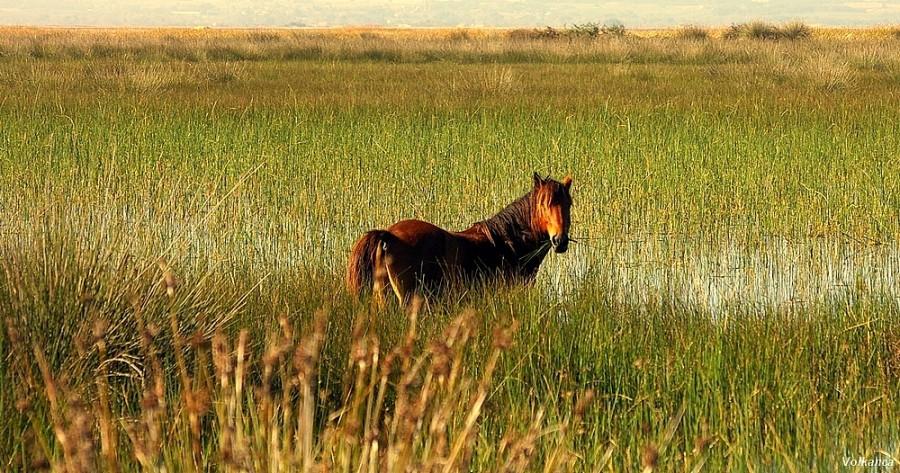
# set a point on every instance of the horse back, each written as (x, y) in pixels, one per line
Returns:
(435, 250)
(418, 234)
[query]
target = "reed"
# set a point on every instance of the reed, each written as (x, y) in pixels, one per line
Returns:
(178, 206)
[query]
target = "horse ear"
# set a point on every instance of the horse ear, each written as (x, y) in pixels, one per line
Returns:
(537, 180)
(567, 182)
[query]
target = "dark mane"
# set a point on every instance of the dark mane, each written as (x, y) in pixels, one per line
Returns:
(512, 225)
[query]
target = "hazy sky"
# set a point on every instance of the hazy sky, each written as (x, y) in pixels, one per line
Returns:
(633, 13)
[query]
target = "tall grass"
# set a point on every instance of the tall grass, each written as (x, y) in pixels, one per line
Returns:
(178, 208)
(580, 43)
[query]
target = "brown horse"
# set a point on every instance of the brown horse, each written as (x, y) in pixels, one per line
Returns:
(416, 257)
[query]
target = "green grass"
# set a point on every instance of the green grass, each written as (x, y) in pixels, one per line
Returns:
(732, 299)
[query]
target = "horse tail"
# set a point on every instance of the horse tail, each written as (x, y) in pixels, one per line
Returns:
(361, 267)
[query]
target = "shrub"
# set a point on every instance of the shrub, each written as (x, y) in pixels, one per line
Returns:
(760, 30)
(734, 31)
(795, 30)
(615, 29)
(692, 33)
(576, 31)
(548, 33)
(585, 30)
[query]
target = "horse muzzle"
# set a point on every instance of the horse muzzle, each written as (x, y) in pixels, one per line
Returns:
(560, 243)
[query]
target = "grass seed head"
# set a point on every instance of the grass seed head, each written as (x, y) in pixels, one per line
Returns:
(702, 442)
(649, 457)
(168, 280)
(23, 404)
(583, 403)
(441, 358)
(198, 401)
(198, 340)
(99, 330)
(503, 336)
(221, 355)
(149, 401)
(86, 297)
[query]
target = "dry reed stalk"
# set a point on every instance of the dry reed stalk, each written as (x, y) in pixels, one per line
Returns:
(224, 415)
(146, 438)
(432, 427)
(267, 436)
(288, 383)
(306, 357)
(189, 396)
(239, 374)
(108, 433)
(75, 436)
(521, 451)
(53, 397)
(502, 341)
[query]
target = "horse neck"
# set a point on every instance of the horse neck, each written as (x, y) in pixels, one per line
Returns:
(513, 229)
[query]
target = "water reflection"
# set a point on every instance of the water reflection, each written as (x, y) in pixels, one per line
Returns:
(771, 273)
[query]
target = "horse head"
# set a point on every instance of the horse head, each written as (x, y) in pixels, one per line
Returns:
(550, 213)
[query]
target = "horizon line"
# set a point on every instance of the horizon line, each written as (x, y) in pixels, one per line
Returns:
(431, 27)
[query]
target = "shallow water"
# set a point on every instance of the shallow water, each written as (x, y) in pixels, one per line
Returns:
(713, 274)
(772, 273)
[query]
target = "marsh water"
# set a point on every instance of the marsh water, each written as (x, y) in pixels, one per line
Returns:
(773, 273)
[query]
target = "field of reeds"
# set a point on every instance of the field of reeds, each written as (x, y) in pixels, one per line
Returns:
(178, 205)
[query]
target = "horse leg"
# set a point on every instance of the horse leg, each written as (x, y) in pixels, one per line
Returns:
(401, 277)
(403, 282)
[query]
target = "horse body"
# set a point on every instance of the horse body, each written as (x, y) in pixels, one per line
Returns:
(413, 256)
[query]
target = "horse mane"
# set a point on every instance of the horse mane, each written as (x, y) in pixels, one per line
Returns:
(513, 224)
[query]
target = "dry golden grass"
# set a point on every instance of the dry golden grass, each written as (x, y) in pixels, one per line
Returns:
(200, 43)
(224, 408)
